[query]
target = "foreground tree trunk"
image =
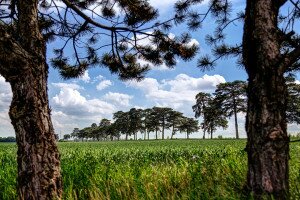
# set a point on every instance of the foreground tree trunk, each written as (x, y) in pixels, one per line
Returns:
(268, 142)
(23, 64)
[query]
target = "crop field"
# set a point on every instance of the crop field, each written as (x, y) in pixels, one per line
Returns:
(177, 169)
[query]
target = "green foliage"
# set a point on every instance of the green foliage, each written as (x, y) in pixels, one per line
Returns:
(177, 169)
(138, 120)
(8, 139)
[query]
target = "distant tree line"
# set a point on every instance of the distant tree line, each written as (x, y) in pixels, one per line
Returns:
(227, 101)
(146, 121)
(7, 139)
(230, 98)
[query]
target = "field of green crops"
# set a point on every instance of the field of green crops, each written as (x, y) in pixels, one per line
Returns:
(178, 169)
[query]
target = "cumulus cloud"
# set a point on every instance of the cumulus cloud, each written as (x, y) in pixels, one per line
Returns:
(71, 102)
(6, 128)
(104, 84)
(85, 77)
(72, 109)
(5, 94)
(178, 93)
(118, 98)
(73, 86)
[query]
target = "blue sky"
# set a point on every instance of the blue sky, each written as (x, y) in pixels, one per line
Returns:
(98, 94)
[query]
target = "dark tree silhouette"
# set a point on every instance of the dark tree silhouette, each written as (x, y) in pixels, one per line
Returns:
(202, 100)
(174, 119)
(232, 98)
(188, 125)
(213, 117)
(162, 114)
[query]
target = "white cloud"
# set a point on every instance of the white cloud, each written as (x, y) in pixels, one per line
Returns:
(6, 128)
(104, 84)
(178, 93)
(85, 77)
(118, 98)
(68, 85)
(72, 103)
(5, 94)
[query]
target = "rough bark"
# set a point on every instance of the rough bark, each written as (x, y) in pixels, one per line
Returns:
(268, 142)
(23, 64)
(38, 158)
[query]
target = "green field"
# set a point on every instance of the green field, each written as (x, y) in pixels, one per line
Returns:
(178, 169)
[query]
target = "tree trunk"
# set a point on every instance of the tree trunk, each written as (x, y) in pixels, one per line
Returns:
(156, 134)
(126, 138)
(268, 142)
(211, 134)
(163, 131)
(38, 157)
(23, 64)
(203, 134)
(235, 121)
(148, 135)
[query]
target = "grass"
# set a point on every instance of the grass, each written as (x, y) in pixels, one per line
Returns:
(178, 169)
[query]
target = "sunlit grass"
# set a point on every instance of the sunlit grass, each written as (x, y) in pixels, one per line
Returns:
(178, 169)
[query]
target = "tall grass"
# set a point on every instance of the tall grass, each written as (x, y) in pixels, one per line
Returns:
(179, 169)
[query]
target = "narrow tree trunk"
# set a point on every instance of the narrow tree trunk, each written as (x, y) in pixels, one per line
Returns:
(156, 134)
(148, 135)
(203, 134)
(187, 135)
(211, 134)
(235, 122)
(126, 137)
(163, 131)
(268, 142)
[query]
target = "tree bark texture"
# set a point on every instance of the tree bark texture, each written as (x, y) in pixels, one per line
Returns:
(268, 142)
(23, 64)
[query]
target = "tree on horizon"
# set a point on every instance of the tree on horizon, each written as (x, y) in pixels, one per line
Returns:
(232, 98)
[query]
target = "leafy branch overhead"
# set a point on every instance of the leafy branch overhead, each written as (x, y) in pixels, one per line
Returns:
(222, 12)
(116, 27)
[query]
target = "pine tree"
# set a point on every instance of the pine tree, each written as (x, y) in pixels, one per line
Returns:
(202, 101)
(232, 99)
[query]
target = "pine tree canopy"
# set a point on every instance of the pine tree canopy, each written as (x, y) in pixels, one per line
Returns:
(108, 33)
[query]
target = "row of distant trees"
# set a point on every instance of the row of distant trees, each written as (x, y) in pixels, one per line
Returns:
(146, 121)
(227, 101)
(230, 98)
(7, 139)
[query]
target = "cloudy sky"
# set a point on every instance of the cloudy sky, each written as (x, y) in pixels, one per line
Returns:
(98, 94)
